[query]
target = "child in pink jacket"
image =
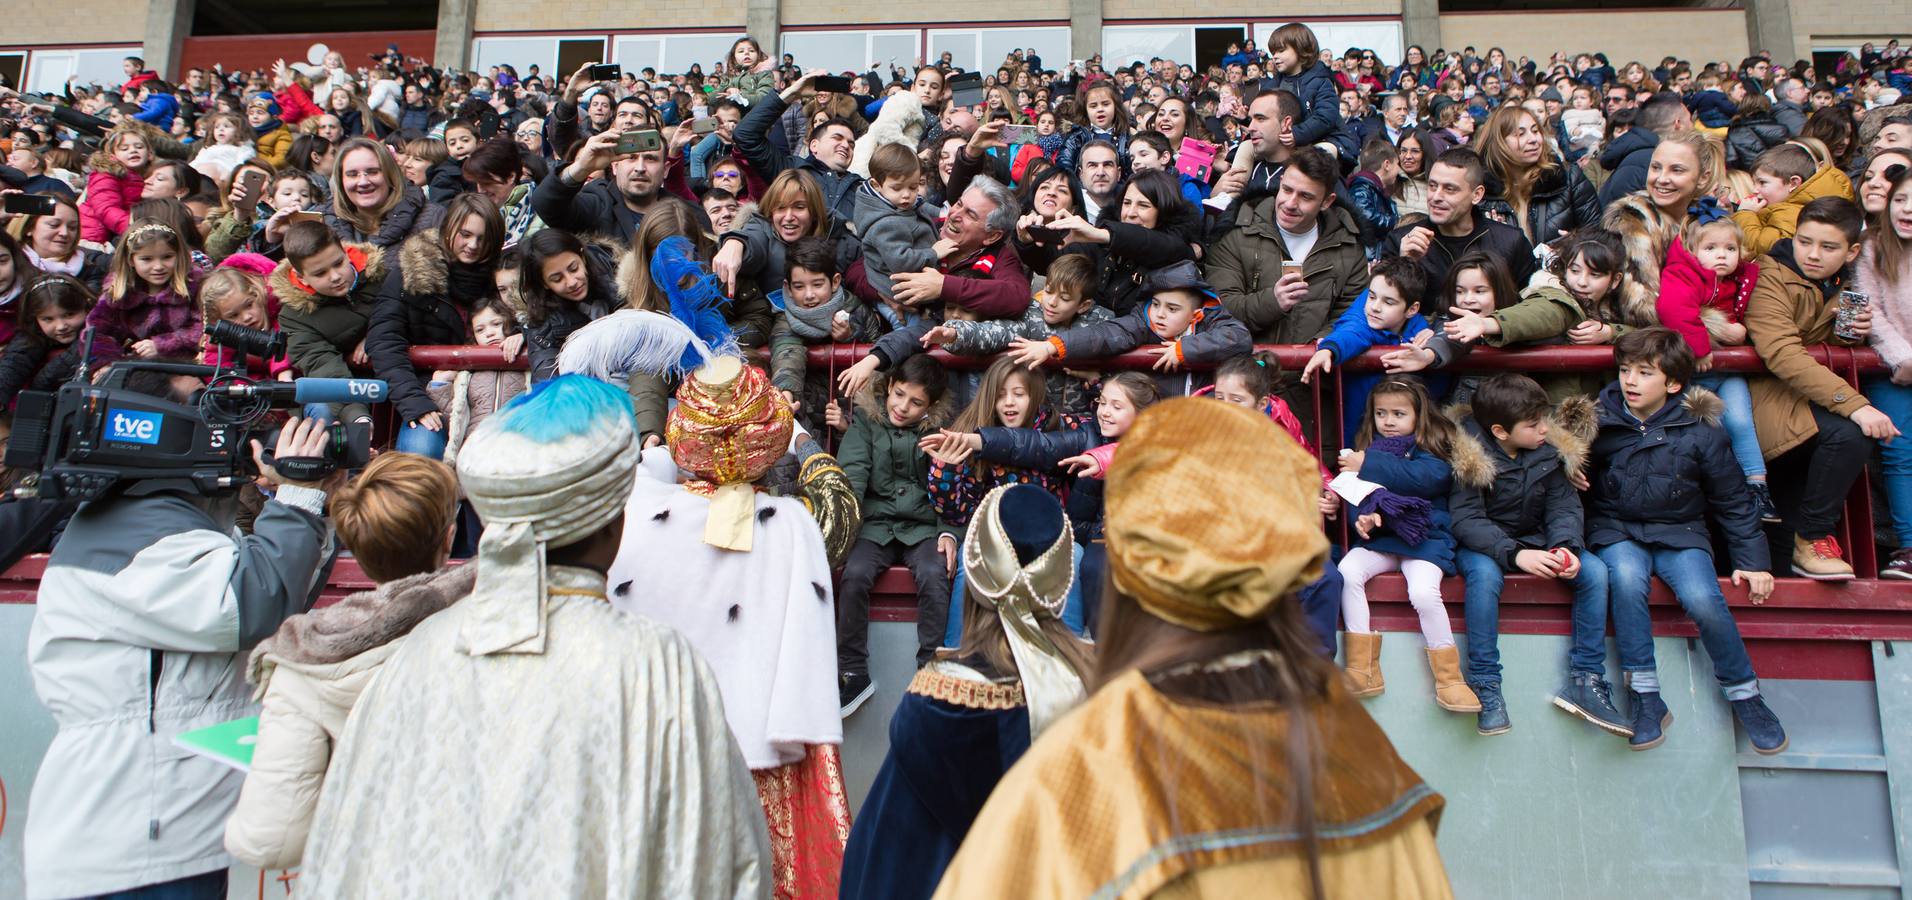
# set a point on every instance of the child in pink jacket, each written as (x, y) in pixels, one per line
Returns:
(1704, 289)
(115, 178)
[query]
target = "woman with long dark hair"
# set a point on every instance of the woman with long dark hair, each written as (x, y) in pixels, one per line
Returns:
(1149, 228)
(1219, 754)
(565, 283)
(1528, 186)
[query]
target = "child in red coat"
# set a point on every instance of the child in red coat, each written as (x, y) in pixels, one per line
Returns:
(1704, 289)
(115, 178)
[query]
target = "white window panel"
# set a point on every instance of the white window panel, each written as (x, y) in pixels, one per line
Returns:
(1384, 38)
(852, 50)
(635, 51)
(48, 70)
(1052, 44)
(960, 45)
(1125, 44)
(704, 49)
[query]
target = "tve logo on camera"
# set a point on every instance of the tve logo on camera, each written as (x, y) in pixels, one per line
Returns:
(132, 426)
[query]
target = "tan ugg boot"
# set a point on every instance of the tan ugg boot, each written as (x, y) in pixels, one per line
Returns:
(1361, 664)
(1450, 691)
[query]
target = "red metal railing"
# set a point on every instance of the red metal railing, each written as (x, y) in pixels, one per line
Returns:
(1789, 632)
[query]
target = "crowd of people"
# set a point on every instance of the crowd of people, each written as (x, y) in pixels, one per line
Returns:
(1038, 219)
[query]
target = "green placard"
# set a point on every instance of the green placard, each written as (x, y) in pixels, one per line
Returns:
(230, 743)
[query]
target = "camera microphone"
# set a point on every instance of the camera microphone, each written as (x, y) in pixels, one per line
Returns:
(339, 390)
(311, 390)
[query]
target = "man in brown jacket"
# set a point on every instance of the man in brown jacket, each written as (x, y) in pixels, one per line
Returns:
(1807, 416)
(1287, 294)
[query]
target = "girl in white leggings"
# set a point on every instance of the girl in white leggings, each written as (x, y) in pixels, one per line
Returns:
(1402, 525)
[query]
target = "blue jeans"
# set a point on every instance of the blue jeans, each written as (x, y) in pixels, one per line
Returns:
(210, 886)
(415, 438)
(1738, 419)
(1321, 606)
(1896, 402)
(1071, 605)
(1630, 571)
(319, 411)
(1484, 579)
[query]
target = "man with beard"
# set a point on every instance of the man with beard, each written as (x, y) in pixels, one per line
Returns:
(614, 205)
(832, 143)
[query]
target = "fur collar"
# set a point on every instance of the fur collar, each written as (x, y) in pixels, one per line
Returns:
(869, 402)
(360, 623)
(294, 297)
(1698, 402)
(422, 264)
(1570, 430)
(1704, 404)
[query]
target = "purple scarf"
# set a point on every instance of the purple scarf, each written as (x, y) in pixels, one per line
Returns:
(1408, 517)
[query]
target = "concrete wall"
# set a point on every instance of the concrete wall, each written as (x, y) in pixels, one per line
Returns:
(1246, 10)
(87, 22)
(606, 15)
(1698, 35)
(1839, 23)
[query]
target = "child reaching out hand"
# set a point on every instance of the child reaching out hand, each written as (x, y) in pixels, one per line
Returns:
(1183, 321)
(1389, 313)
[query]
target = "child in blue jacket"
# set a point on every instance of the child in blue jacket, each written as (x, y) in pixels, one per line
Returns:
(1387, 314)
(1661, 468)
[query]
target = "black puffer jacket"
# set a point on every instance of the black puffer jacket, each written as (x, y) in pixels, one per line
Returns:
(1562, 201)
(30, 365)
(1041, 450)
(1657, 482)
(1749, 136)
(1497, 239)
(412, 215)
(1131, 253)
(1502, 506)
(416, 307)
(1627, 158)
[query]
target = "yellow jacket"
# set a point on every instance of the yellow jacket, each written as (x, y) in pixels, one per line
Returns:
(1775, 223)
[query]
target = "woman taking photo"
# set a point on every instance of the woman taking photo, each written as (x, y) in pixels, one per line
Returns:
(1151, 228)
(1205, 668)
(1527, 185)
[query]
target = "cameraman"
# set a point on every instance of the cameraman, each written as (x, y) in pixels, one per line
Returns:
(146, 606)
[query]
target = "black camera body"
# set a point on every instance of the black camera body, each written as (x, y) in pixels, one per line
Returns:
(87, 440)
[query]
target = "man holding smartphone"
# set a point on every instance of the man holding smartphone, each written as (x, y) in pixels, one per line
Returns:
(831, 144)
(574, 201)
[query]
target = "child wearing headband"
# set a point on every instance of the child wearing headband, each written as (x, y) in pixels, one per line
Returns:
(148, 308)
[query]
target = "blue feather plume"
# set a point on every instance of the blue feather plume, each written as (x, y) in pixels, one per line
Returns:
(697, 299)
(565, 406)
